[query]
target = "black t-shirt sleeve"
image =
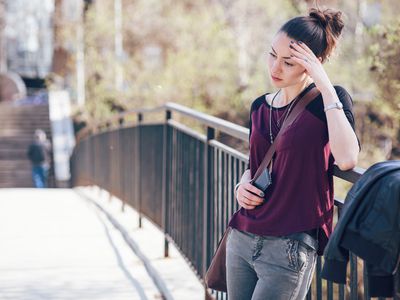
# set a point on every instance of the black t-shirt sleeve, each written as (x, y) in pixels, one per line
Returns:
(347, 101)
(316, 107)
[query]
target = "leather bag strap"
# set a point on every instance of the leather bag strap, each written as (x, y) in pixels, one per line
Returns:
(298, 108)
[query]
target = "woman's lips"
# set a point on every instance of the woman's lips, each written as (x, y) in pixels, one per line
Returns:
(275, 78)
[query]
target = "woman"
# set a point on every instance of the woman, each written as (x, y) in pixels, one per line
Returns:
(276, 237)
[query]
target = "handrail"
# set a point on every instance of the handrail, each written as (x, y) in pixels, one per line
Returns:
(233, 129)
(350, 175)
(237, 131)
(230, 128)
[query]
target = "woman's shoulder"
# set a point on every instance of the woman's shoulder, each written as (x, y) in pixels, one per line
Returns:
(316, 107)
(256, 103)
(343, 95)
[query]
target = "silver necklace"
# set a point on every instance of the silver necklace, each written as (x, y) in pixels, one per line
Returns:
(279, 119)
(270, 118)
(286, 114)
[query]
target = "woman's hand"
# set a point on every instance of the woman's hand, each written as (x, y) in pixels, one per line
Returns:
(247, 196)
(304, 56)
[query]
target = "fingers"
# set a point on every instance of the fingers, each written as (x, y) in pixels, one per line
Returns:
(251, 188)
(250, 199)
(246, 197)
(301, 47)
(244, 202)
(301, 51)
(312, 57)
(300, 61)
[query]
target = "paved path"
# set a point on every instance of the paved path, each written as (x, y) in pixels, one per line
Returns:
(55, 244)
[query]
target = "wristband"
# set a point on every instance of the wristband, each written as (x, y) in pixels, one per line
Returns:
(337, 105)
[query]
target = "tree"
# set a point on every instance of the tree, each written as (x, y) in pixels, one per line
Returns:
(385, 64)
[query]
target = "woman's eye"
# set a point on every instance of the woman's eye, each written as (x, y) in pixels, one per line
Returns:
(286, 63)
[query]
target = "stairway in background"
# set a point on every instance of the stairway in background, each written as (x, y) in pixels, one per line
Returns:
(17, 125)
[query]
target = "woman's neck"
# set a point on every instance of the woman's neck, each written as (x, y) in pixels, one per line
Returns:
(290, 92)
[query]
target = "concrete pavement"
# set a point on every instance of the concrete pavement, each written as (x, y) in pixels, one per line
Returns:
(56, 244)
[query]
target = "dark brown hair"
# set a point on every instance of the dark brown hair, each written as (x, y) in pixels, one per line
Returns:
(320, 30)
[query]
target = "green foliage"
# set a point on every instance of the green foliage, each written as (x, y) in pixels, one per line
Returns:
(385, 66)
(385, 63)
(199, 70)
(211, 54)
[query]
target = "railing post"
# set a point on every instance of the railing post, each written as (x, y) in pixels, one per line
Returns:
(138, 177)
(165, 182)
(208, 168)
(121, 122)
(353, 277)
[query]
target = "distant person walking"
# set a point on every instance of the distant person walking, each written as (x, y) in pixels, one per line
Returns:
(39, 155)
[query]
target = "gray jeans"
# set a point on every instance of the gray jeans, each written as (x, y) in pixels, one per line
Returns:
(267, 267)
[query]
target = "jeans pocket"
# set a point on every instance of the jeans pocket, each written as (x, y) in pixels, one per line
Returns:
(297, 255)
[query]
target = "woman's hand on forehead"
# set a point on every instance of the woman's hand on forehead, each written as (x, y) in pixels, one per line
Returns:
(303, 55)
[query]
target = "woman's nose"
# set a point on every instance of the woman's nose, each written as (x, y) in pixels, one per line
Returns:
(276, 67)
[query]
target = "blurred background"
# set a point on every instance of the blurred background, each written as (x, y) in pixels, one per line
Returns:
(116, 55)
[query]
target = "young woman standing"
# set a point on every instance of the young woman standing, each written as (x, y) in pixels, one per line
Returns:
(276, 236)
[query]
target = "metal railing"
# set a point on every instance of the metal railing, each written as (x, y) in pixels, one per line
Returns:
(183, 181)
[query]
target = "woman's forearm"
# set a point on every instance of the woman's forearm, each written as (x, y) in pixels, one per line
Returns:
(342, 139)
(246, 177)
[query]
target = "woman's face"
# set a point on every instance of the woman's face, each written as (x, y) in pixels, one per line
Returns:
(283, 70)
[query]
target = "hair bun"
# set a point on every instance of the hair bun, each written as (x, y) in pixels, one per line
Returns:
(328, 17)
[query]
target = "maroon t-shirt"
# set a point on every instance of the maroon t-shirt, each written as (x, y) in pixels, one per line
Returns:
(300, 197)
